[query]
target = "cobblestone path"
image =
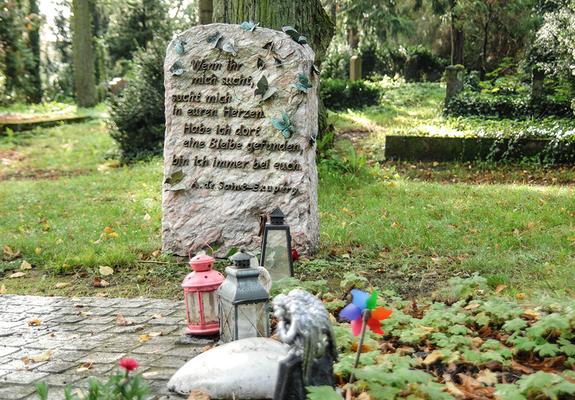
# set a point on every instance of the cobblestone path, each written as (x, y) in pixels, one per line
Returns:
(84, 337)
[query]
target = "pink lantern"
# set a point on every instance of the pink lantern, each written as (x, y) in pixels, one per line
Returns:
(201, 297)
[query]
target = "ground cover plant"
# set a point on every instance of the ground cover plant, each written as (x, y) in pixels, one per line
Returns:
(465, 342)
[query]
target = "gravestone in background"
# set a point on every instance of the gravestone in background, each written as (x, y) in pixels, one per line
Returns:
(241, 119)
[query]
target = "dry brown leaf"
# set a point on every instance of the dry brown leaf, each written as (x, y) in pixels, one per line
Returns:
(99, 282)
(197, 394)
(25, 265)
(432, 357)
(108, 230)
(363, 396)
(62, 285)
(144, 338)
(85, 366)
(472, 306)
(105, 270)
(487, 377)
(530, 314)
(25, 360)
(17, 275)
(500, 288)
(101, 294)
(34, 322)
(454, 391)
(9, 254)
(520, 296)
(45, 356)
(121, 320)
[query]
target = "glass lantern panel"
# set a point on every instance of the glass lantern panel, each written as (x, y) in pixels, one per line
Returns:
(192, 301)
(277, 257)
(210, 301)
(227, 320)
(252, 320)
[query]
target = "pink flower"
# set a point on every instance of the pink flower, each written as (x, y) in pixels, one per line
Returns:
(129, 364)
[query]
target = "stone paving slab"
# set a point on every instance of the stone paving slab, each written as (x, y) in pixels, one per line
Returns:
(83, 331)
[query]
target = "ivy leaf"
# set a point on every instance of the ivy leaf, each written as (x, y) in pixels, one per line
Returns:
(175, 178)
(177, 69)
(268, 46)
(290, 30)
(179, 46)
(315, 69)
(302, 40)
(228, 47)
(302, 84)
(215, 38)
(279, 63)
(261, 64)
(262, 86)
(248, 26)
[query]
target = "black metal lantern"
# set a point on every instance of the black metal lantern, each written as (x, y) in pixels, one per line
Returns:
(276, 247)
(243, 302)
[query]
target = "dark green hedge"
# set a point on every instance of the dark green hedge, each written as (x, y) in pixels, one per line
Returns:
(338, 94)
(470, 103)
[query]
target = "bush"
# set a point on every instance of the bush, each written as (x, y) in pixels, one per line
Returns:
(422, 65)
(340, 94)
(470, 103)
(137, 114)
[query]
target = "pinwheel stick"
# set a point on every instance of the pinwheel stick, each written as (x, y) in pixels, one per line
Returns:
(366, 314)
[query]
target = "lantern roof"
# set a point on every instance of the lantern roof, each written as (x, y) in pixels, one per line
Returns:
(203, 281)
(243, 287)
(241, 259)
(277, 216)
(201, 263)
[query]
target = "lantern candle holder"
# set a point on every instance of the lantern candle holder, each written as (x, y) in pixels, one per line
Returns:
(243, 301)
(276, 247)
(200, 296)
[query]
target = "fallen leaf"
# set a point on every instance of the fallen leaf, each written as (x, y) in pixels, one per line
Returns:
(500, 288)
(144, 338)
(197, 394)
(363, 396)
(9, 254)
(99, 282)
(108, 230)
(25, 265)
(487, 377)
(38, 250)
(432, 357)
(530, 314)
(34, 322)
(105, 270)
(25, 360)
(45, 356)
(86, 366)
(147, 217)
(17, 275)
(155, 334)
(101, 294)
(521, 368)
(2, 289)
(520, 296)
(61, 285)
(472, 306)
(121, 320)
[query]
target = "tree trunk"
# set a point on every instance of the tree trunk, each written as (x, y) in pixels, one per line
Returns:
(307, 16)
(84, 81)
(456, 45)
(206, 11)
(485, 41)
(35, 94)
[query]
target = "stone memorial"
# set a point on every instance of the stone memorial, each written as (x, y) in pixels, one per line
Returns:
(241, 122)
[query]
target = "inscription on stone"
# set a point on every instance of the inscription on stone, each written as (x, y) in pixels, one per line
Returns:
(241, 122)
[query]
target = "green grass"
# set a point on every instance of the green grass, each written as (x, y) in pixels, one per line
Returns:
(402, 229)
(49, 109)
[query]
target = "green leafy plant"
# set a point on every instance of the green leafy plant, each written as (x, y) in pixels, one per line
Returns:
(284, 125)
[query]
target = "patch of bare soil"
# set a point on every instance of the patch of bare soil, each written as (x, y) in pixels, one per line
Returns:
(36, 174)
(473, 174)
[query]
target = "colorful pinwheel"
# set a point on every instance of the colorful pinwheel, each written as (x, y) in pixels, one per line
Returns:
(354, 312)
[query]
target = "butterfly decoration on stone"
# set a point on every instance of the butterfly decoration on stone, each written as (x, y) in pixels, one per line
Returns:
(284, 125)
(362, 303)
